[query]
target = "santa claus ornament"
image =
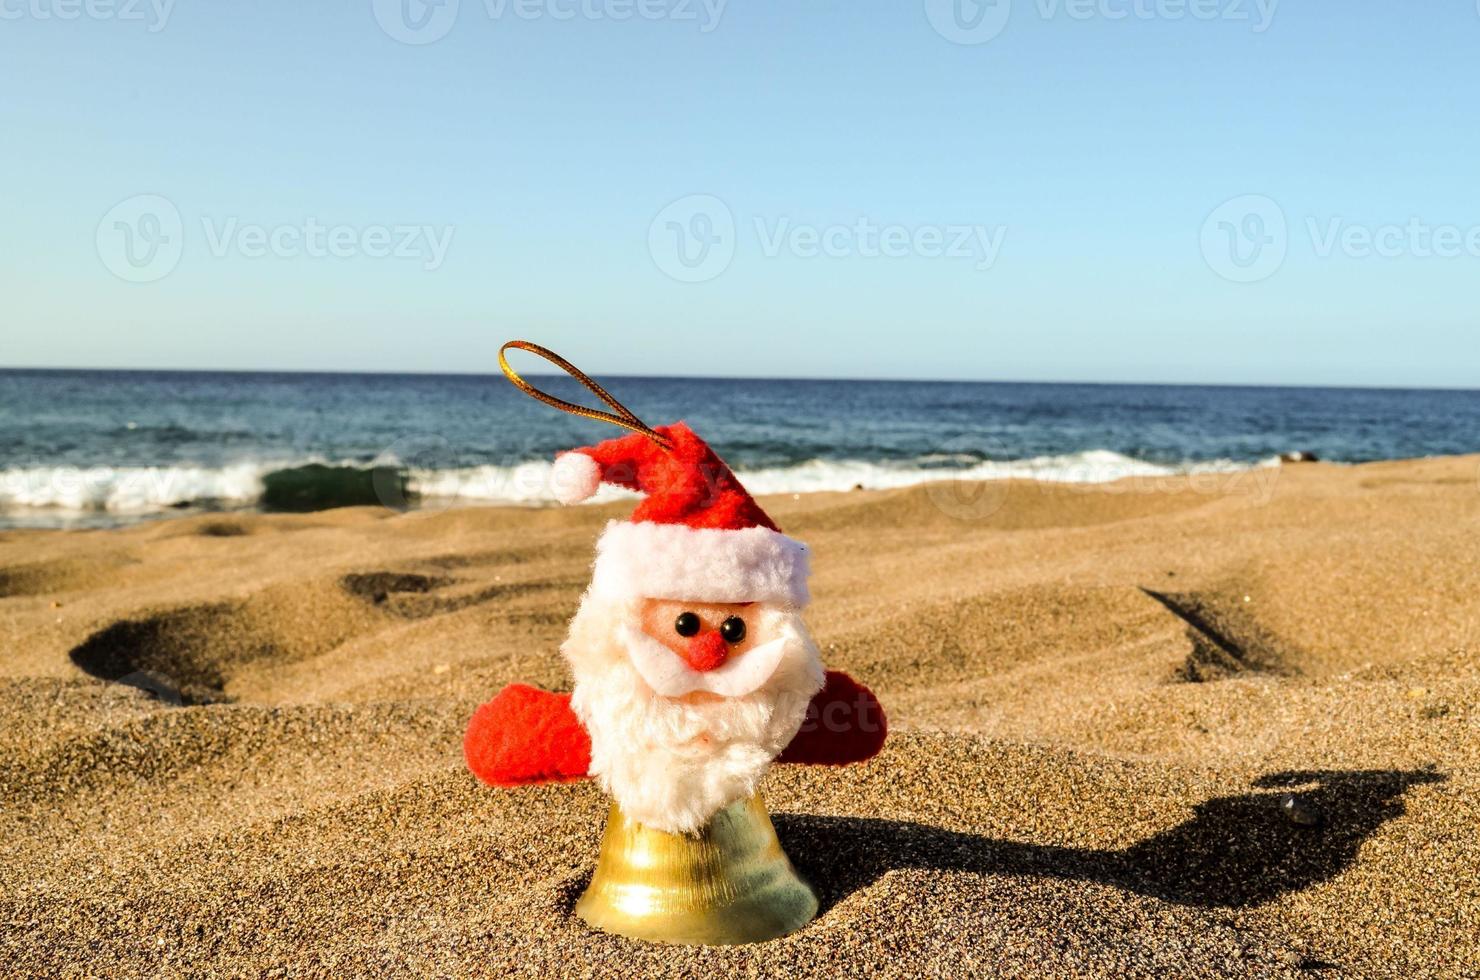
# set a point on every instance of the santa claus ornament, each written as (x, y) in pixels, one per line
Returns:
(693, 672)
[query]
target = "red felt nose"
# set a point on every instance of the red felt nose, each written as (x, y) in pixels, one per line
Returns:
(706, 651)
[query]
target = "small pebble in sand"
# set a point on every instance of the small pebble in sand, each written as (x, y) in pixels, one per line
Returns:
(1299, 812)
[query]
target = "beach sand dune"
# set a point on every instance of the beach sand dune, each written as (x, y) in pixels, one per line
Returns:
(231, 744)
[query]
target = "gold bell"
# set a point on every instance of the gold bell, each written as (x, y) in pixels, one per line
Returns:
(730, 883)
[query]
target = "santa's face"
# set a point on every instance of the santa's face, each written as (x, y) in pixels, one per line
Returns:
(687, 703)
(694, 651)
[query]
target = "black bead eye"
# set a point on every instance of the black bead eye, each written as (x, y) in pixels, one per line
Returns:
(732, 629)
(687, 624)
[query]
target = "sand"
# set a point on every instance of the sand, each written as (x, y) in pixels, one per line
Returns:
(1100, 696)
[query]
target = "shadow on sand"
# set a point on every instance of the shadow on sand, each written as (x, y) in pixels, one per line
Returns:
(1235, 851)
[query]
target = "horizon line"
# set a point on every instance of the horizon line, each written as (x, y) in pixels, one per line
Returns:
(715, 377)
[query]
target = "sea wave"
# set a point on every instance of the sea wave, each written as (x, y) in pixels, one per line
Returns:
(130, 489)
(133, 490)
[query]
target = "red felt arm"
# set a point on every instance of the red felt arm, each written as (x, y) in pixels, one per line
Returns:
(845, 723)
(525, 735)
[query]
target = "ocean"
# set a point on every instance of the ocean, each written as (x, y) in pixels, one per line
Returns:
(100, 448)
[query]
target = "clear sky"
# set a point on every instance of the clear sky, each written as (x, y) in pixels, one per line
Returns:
(1026, 189)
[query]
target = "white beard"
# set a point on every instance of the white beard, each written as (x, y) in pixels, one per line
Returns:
(672, 765)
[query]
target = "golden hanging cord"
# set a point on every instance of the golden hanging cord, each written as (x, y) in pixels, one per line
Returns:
(623, 417)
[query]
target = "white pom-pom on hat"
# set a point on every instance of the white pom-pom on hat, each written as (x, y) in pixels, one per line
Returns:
(575, 477)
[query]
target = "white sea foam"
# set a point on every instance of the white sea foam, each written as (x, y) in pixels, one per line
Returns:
(529, 483)
(142, 490)
(129, 489)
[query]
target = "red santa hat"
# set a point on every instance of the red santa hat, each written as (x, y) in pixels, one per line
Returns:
(697, 534)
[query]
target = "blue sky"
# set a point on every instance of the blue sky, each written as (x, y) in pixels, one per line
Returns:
(780, 189)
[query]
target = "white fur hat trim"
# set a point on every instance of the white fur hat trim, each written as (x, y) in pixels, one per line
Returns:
(674, 561)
